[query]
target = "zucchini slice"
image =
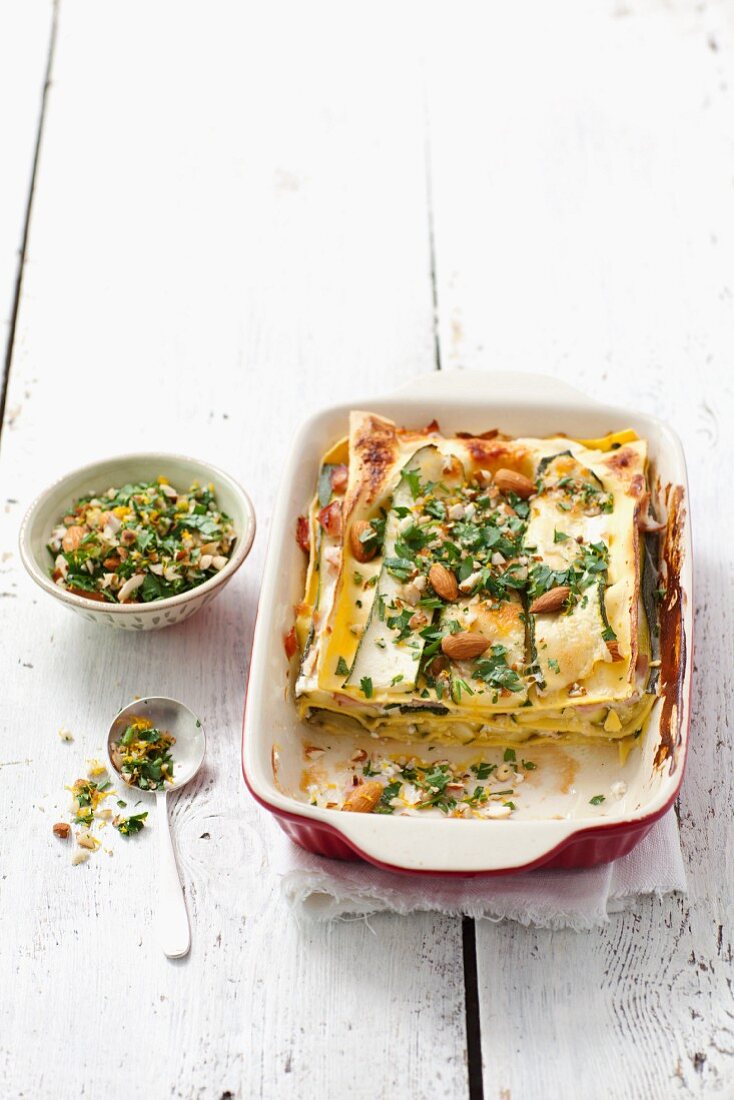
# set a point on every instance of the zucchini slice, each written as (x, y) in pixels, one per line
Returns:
(565, 646)
(321, 577)
(387, 662)
(649, 590)
(571, 467)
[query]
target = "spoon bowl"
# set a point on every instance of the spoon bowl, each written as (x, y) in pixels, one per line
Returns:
(187, 752)
(174, 718)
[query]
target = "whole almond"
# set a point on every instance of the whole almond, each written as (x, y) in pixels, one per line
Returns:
(550, 601)
(73, 538)
(86, 594)
(364, 798)
(360, 551)
(464, 645)
(509, 481)
(438, 665)
(443, 581)
(61, 830)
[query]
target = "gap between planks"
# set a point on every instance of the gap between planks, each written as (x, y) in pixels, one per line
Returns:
(473, 1023)
(18, 287)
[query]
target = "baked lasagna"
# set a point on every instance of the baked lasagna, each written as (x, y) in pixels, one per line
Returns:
(475, 589)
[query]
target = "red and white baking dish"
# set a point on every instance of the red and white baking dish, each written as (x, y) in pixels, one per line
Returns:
(517, 404)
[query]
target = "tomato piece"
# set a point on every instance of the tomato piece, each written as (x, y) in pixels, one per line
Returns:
(290, 643)
(339, 479)
(303, 537)
(330, 518)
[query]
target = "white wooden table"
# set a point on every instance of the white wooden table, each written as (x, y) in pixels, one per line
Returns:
(239, 213)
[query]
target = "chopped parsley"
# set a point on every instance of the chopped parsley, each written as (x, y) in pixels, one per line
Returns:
(435, 508)
(495, 671)
(86, 798)
(371, 537)
(402, 568)
(342, 668)
(413, 480)
(590, 567)
(597, 800)
(401, 623)
(128, 826)
(392, 790)
(483, 770)
(457, 686)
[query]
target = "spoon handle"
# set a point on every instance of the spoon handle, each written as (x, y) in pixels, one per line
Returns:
(173, 921)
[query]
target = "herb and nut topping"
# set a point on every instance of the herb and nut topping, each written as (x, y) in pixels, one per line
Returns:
(143, 755)
(406, 785)
(89, 811)
(141, 542)
(464, 541)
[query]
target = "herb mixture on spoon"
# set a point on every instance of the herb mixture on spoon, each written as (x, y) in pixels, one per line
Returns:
(140, 543)
(143, 755)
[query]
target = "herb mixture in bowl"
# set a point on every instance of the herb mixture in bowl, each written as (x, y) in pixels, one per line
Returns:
(141, 543)
(143, 755)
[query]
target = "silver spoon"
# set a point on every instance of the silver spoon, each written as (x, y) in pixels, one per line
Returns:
(169, 716)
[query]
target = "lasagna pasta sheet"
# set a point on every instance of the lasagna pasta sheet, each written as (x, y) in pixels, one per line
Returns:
(475, 588)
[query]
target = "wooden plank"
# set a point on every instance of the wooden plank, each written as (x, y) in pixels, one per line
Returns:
(25, 31)
(581, 171)
(229, 230)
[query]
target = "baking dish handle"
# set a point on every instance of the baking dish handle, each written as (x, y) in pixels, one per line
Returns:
(518, 386)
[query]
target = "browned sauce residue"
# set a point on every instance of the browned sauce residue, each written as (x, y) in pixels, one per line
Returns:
(315, 774)
(636, 487)
(552, 759)
(673, 650)
(569, 771)
(275, 763)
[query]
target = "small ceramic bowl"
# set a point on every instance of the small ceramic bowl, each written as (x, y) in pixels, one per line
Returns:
(46, 512)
